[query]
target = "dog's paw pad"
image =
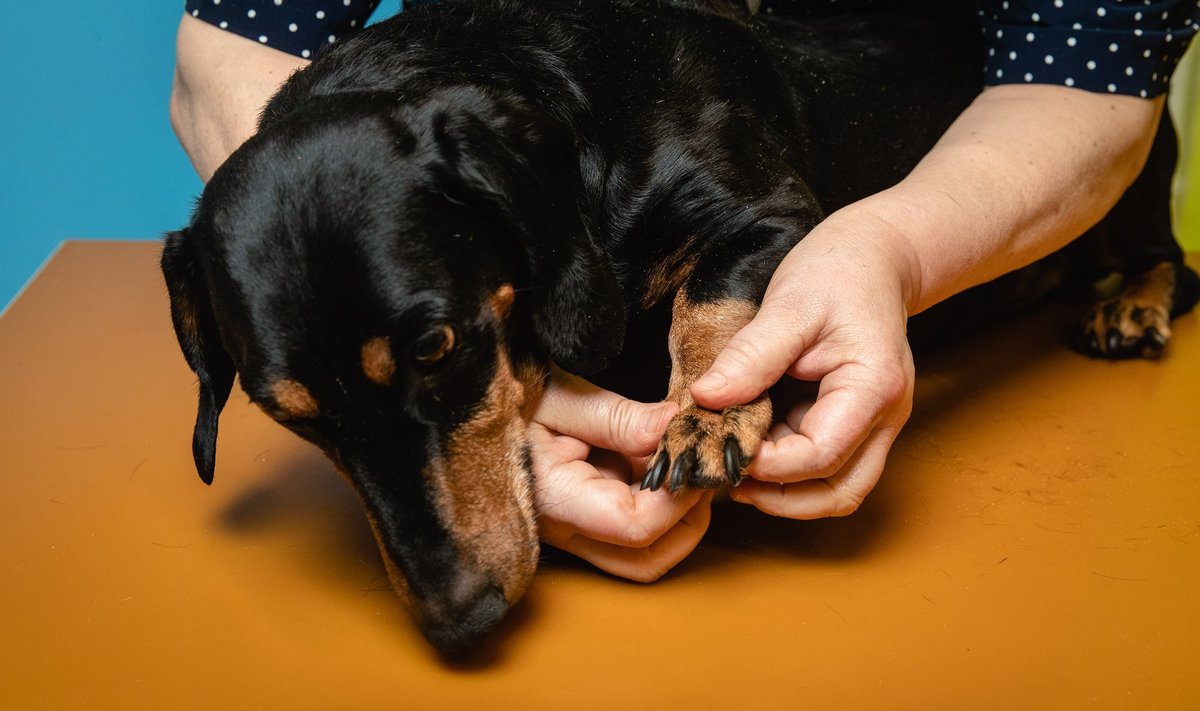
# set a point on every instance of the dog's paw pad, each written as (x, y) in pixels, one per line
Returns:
(703, 449)
(1124, 328)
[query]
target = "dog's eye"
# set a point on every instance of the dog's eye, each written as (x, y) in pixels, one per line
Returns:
(435, 345)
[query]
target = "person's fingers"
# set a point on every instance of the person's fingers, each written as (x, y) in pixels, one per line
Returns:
(613, 511)
(585, 503)
(617, 466)
(575, 407)
(753, 360)
(852, 402)
(790, 423)
(651, 562)
(574, 496)
(839, 495)
(550, 449)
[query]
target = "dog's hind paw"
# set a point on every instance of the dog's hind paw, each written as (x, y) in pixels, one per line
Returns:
(1134, 324)
(704, 449)
(1116, 329)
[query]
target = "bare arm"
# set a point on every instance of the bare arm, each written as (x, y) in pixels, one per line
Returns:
(222, 81)
(1024, 170)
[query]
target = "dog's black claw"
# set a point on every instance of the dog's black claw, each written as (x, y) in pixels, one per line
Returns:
(1155, 341)
(1093, 342)
(1113, 340)
(683, 468)
(654, 476)
(733, 460)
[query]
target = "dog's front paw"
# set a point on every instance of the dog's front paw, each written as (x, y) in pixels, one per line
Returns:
(1124, 328)
(704, 449)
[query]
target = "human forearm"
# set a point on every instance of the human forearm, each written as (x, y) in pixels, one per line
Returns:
(1023, 171)
(222, 81)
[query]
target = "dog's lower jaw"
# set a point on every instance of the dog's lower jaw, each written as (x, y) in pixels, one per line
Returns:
(467, 608)
(470, 611)
(470, 624)
(473, 605)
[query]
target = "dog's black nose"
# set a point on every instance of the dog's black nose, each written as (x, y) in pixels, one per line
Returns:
(467, 618)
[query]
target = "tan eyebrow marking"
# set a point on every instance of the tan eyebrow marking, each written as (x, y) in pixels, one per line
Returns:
(502, 301)
(377, 361)
(294, 399)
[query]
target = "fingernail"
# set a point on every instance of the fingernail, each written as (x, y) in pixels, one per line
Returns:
(654, 422)
(710, 381)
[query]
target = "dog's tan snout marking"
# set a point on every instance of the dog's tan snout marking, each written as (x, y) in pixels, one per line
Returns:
(377, 362)
(294, 399)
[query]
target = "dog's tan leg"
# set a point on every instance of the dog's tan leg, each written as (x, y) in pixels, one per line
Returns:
(1136, 322)
(703, 448)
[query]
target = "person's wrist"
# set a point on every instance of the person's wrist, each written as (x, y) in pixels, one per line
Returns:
(873, 233)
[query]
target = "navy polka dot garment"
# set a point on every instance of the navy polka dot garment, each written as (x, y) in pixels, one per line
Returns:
(1116, 46)
(299, 27)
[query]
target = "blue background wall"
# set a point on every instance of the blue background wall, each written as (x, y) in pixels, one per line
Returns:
(86, 147)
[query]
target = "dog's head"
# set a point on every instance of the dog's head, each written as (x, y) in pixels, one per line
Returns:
(388, 281)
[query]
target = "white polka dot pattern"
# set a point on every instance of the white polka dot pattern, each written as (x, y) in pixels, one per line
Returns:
(298, 27)
(1111, 46)
(1115, 46)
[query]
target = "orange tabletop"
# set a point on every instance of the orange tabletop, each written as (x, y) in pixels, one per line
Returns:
(1035, 542)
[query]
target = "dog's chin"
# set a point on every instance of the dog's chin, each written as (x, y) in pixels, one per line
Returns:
(469, 627)
(461, 616)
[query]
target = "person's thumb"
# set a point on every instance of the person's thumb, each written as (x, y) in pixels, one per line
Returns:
(574, 407)
(754, 360)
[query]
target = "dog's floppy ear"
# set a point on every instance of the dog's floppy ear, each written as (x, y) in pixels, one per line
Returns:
(196, 329)
(578, 312)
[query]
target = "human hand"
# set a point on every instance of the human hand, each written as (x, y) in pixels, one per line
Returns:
(834, 312)
(587, 501)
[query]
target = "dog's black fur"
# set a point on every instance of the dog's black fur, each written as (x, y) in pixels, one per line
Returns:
(601, 157)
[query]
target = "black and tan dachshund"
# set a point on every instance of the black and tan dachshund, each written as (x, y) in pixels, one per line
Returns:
(442, 206)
